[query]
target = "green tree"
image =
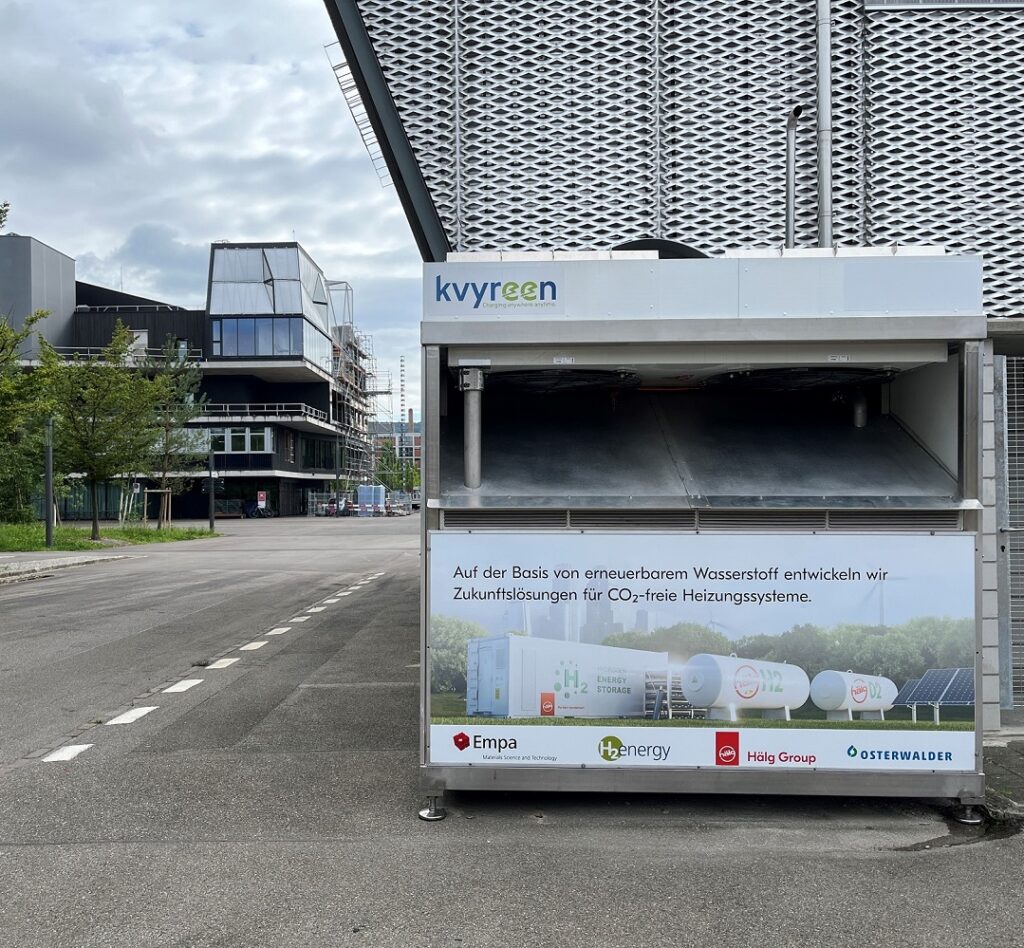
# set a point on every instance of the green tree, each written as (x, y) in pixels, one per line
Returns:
(23, 409)
(178, 449)
(448, 640)
(680, 640)
(4, 208)
(394, 473)
(106, 414)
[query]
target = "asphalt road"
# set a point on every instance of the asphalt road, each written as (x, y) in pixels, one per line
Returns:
(273, 804)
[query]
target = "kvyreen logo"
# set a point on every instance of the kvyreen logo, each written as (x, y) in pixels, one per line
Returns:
(496, 292)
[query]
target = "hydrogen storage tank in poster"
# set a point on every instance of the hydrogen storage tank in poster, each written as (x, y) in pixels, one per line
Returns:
(726, 684)
(688, 457)
(842, 693)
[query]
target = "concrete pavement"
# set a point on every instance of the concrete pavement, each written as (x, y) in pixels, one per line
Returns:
(273, 804)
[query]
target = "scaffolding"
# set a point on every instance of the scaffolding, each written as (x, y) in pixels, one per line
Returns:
(355, 397)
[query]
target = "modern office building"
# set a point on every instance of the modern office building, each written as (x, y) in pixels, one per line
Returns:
(286, 375)
(584, 125)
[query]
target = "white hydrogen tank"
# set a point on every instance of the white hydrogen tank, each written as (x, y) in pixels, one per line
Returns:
(725, 681)
(848, 691)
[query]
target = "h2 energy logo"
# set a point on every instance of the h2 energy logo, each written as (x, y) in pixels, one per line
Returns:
(525, 293)
(613, 749)
(727, 748)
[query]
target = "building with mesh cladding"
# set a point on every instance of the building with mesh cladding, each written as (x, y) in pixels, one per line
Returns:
(582, 124)
(579, 124)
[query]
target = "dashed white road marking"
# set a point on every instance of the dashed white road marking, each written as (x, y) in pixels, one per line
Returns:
(132, 715)
(222, 663)
(315, 609)
(331, 601)
(183, 685)
(300, 619)
(280, 630)
(347, 592)
(66, 753)
(252, 646)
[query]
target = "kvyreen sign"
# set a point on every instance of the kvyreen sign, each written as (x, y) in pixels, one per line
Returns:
(495, 290)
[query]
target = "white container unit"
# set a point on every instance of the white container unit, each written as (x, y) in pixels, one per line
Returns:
(839, 694)
(725, 684)
(513, 676)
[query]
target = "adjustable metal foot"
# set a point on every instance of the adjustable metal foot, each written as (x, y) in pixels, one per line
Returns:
(969, 816)
(433, 810)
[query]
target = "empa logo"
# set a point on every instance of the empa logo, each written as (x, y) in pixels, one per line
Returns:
(496, 292)
(610, 748)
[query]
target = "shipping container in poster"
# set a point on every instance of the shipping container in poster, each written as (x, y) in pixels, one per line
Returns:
(511, 676)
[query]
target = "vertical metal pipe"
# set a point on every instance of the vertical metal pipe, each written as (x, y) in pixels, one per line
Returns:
(212, 491)
(824, 15)
(472, 383)
(791, 122)
(860, 410)
(49, 483)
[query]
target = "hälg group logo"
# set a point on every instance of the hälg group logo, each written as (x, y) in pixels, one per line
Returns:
(727, 748)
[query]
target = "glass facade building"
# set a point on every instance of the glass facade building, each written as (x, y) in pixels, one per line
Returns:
(269, 302)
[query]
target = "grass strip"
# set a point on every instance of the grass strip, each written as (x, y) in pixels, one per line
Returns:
(31, 537)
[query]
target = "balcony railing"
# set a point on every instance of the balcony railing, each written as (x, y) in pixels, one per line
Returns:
(137, 355)
(262, 410)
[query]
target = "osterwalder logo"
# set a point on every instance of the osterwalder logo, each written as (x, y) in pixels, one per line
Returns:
(497, 292)
(901, 754)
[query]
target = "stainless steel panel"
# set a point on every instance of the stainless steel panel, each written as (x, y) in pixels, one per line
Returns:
(775, 329)
(966, 787)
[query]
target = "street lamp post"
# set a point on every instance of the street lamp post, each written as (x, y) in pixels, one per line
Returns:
(212, 493)
(49, 483)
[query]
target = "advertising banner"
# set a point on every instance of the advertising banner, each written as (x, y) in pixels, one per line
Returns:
(804, 652)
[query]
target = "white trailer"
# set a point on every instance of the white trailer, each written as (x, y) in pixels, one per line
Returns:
(514, 676)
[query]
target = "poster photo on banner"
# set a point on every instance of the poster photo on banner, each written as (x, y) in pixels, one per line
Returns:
(852, 652)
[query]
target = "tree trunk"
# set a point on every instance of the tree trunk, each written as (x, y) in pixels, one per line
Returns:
(94, 494)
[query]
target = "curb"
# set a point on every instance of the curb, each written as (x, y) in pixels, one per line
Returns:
(17, 571)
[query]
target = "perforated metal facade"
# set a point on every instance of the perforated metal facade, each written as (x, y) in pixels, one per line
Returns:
(578, 124)
(1014, 538)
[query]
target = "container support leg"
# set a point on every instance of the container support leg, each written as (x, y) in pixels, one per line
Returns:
(434, 810)
(968, 815)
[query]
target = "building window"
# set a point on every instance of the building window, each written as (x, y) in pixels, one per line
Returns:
(242, 440)
(270, 337)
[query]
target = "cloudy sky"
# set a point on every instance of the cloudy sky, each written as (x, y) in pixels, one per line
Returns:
(135, 132)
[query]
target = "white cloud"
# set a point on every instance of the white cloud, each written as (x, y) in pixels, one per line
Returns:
(134, 134)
